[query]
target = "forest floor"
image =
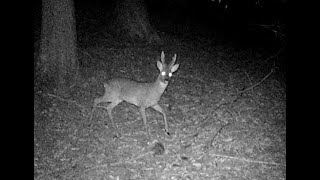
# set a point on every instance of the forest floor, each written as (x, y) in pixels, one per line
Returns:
(226, 111)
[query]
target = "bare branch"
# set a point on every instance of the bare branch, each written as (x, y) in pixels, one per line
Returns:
(66, 100)
(255, 84)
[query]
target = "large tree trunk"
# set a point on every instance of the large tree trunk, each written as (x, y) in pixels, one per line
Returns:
(58, 58)
(130, 20)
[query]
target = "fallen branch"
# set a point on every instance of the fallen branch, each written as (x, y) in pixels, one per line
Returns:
(249, 79)
(247, 160)
(209, 143)
(254, 85)
(275, 55)
(66, 100)
(85, 52)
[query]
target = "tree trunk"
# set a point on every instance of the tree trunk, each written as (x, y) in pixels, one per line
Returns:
(130, 21)
(58, 58)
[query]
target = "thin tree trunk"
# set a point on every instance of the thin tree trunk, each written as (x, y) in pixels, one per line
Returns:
(131, 21)
(58, 58)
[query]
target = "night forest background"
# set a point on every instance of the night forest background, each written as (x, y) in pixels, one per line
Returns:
(225, 105)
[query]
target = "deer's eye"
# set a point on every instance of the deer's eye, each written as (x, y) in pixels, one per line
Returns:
(163, 73)
(170, 74)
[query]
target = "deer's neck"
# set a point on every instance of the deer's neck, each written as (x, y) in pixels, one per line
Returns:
(160, 85)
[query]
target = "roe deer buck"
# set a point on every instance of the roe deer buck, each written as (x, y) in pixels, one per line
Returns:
(141, 94)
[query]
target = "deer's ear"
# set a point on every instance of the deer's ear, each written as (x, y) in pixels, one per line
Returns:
(174, 68)
(159, 65)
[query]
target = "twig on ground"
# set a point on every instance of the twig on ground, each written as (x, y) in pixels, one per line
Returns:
(249, 79)
(85, 52)
(247, 160)
(254, 85)
(275, 55)
(66, 100)
(209, 143)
